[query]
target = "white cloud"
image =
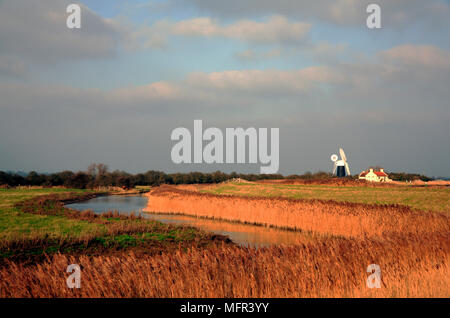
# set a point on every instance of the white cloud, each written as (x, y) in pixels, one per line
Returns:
(157, 91)
(420, 55)
(342, 12)
(36, 31)
(145, 36)
(393, 78)
(274, 30)
(327, 52)
(267, 83)
(391, 75)
(277, 29)
(384, 101)
(252, 55)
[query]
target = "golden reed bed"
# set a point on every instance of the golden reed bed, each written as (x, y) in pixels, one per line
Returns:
(329, 267)
(327, 217)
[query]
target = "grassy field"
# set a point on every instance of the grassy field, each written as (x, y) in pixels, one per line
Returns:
(422, 198)
(16, 224)
(33, 222)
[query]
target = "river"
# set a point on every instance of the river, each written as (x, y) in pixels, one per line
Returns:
(242, 234)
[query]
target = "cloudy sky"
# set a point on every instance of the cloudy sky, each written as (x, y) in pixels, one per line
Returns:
(114, 90)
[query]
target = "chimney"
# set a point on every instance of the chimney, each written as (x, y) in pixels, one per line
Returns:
(371, 170)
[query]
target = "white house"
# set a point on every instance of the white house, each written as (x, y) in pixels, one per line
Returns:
(374, 176)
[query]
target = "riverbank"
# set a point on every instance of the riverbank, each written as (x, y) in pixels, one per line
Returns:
(328, 217)
(36, 224)
(241, 234)
(423, 198)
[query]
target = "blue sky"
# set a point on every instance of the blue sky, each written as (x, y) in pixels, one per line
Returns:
(185, 55)
(113, 91)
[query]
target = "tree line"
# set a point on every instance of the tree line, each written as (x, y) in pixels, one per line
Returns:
(98, 175)
(402, 176)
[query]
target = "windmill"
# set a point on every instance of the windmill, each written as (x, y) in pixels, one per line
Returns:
(341, 168)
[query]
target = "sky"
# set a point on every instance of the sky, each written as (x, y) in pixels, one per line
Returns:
(114, 90)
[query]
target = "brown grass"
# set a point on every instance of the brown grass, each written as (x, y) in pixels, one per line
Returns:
(327, 217)
(333, 267)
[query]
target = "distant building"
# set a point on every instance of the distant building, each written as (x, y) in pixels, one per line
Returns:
(374, 176)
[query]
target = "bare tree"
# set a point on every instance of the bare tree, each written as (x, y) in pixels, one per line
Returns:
(91, 169)
(102, 169)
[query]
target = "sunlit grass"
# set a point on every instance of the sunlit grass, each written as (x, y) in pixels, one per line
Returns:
(422, 198)
(16, 224)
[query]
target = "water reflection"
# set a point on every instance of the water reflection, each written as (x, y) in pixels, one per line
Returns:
(123, 203)
(243, 234)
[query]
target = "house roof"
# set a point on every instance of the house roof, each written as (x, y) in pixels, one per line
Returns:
(377, 173)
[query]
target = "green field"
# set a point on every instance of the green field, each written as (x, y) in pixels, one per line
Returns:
(28, 235)
(422, 198)
(15, 224)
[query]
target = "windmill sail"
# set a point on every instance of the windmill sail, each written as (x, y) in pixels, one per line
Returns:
(342, 153)
(347, 169)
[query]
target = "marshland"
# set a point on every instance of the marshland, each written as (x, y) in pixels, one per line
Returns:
(338, 230)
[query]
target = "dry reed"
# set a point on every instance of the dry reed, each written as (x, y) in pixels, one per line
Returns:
(329, 267)
(327, 217)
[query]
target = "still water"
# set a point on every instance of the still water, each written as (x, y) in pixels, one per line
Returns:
(242, 234)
